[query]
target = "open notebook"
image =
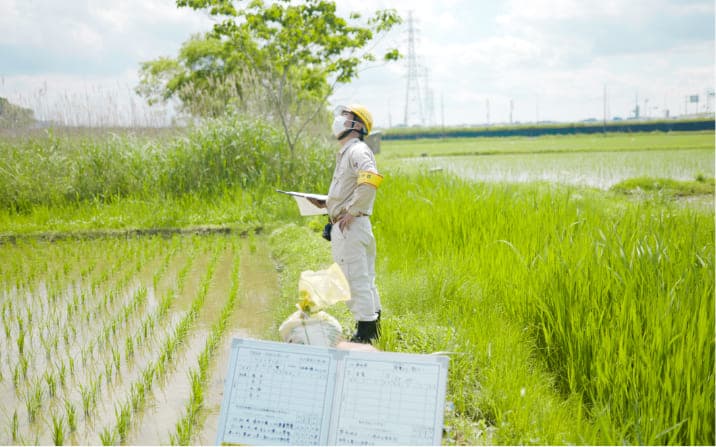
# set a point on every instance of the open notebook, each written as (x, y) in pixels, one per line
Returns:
(286, 394)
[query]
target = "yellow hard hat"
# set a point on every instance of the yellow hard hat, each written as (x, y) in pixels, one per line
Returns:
(363, 115)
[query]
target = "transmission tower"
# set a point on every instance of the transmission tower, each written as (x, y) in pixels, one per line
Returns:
(429, 109)
(413, 102)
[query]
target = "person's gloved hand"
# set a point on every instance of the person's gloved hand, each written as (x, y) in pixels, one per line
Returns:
(345, 221)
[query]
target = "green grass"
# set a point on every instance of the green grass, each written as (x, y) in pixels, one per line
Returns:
(665, 186)
(611, 142)
(217, 157)
(607, 297)
(574, 316)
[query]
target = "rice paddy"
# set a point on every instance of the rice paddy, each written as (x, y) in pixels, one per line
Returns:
(574, 313)
(114, 340)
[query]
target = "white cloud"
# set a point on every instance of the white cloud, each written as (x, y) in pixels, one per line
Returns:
(551, 58)
(86, 37)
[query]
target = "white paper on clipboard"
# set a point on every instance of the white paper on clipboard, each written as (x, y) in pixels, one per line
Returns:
(305, 207)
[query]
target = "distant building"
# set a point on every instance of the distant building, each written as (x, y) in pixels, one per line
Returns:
(373, 141)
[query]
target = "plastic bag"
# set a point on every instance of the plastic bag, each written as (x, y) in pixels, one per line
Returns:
(310, 325)
(322, 289)
(319, 329)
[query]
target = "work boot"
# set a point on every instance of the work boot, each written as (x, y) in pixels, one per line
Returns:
(377, 327)
(366, 332)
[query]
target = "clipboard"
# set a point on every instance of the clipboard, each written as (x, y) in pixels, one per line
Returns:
(305, 207)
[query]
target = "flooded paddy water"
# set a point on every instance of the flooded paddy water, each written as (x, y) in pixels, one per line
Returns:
(100, 337)
(591, 169)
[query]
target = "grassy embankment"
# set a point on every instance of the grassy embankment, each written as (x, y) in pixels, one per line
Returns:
(222, 173)
(574, 316)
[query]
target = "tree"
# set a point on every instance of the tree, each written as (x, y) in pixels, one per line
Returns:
(281, 59)
(13, 116)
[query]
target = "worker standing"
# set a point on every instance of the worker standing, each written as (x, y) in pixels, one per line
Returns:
(350, 204)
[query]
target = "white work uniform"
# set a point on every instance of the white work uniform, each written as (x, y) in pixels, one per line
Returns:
(354, 248)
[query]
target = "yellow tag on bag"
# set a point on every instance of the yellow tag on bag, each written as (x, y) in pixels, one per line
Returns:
(369, 177)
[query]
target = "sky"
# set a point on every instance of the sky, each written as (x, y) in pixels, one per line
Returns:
(477, 62)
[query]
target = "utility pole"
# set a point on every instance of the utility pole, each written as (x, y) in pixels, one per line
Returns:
(604, 123)
(442, 111)
(390, 120)
(429, 109)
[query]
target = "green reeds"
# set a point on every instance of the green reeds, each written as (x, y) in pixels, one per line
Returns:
(615, 296)
(228, 152)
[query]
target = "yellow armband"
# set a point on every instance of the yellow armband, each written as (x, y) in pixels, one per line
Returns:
(369, 177)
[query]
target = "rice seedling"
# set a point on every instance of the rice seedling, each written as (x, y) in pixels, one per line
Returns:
(108, 370)
(51, 383)
(123, 414)
(160, 367)
(138, 395)
(148, 376)
(66, 335)
(58, 430)
(24, 364)
(87, 399)
(16, 373)
(117, 359)
(128, 348)
(20, 341)
(61, 374)
(71, 414)
(6, 327)
(55, 341)
(15, 427)
(33, 400)
(183, 433)
(107, 436)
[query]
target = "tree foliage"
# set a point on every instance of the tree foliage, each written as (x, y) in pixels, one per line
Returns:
(280, 59)
(13, 116)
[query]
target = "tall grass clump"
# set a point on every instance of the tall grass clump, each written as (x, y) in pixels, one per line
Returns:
(614, 300)
(59, 168)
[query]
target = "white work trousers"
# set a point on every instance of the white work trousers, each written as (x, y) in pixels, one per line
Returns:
(354, 251)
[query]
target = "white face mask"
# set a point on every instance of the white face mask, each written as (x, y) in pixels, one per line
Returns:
(339, 125)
